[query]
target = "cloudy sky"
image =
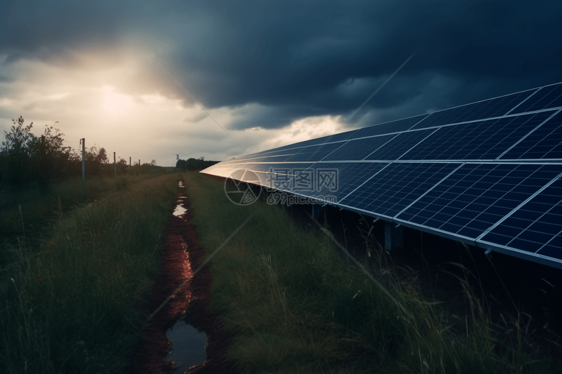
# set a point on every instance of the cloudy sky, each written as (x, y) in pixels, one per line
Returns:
(270, 73)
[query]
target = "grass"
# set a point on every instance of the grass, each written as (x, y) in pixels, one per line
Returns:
(28, 209)
(296, 306)
(71, 299)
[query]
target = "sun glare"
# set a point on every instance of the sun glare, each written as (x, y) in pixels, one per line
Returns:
(114, 103)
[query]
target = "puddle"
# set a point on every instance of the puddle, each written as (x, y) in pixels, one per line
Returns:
(179, 210)
(180, 184)
(189, 346)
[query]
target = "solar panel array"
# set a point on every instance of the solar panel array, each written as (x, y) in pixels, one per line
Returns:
(487, 173)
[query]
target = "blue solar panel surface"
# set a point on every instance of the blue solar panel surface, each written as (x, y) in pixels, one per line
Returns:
(543, 143)
(546, 97)
(476, 196)
(486, 173)
(396, 186)
(359, 149)
(399, 145)
(535, 227)
(481, 140)
(389, 127)
(484, 109)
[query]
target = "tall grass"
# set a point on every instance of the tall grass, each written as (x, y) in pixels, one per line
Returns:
(296, 306)
(71, 303)
(31, 209)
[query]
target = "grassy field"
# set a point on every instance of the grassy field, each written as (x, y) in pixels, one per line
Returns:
(29, 210)
(74, 281)
(296, 305)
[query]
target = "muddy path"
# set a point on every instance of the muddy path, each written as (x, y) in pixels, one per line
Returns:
(179, 258)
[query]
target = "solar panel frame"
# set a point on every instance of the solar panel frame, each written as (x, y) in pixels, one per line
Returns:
(398, 185)
(359, 149)
(478, 140)
(528, 211)
(398, 146)
(544, 98)
(466, 113)
(497, 188)
(556, 120)
(390, 127)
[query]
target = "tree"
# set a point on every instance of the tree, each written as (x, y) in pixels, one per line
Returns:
(52, 160)
(102, 156)
(17, 152)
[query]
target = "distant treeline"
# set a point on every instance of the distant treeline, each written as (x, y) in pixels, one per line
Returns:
(194, 164)
(27, 159)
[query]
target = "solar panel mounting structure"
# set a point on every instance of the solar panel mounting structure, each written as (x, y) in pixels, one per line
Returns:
(488, 174)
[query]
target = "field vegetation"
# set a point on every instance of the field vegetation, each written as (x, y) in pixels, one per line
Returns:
(73, 283)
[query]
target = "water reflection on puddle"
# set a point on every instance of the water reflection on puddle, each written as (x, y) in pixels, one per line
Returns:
(179, 210)
(189, 346)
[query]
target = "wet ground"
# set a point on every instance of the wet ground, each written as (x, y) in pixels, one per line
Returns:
(188, 346)
(169, 343)
(507, 284)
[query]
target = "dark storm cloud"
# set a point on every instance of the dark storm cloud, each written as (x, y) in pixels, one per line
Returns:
(296, 59)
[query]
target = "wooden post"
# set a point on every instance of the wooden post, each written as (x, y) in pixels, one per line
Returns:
(114, 165)
(83, 141)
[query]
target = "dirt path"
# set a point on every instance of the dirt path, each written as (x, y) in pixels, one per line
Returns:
(179, 258)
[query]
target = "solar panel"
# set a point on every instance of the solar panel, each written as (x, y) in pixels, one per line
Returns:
(486, 173)
(314, 153)
(477, 196)
(389, 127)
(396, 186)
(399, 145)
(484, 109)
(543, 143)
(480, 140)
(338, 179)
(535, 227)
(358, 149)
(545, 97)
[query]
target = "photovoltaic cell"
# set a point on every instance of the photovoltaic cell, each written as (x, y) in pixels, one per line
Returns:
(278, 158)
(338, 137)
(535, 227)
(314, 153)
(348, 177)
(282, 176)
(358, 149)
(396, 186)
(479, 140)
(389, 127)
(477, 196)
(543, 143)
(484, 109)
(399, 145)
(546, 97)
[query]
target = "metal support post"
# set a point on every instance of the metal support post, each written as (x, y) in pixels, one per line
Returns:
(316, 208)
(393, 236)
